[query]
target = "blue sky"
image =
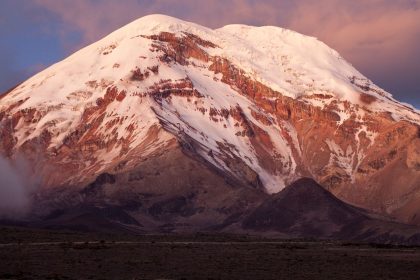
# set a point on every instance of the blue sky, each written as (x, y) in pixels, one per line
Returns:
(379, 37)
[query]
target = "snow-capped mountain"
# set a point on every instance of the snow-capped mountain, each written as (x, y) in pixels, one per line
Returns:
(163, 103)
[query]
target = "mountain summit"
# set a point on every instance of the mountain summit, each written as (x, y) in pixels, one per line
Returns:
(168, 107)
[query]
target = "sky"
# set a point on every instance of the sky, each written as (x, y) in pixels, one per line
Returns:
(381, 38)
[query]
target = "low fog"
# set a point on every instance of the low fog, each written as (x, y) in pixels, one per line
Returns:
(15, 189)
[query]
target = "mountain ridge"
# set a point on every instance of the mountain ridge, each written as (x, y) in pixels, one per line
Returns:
(307, 210)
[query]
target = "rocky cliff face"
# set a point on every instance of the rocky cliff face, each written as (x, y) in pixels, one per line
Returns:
(258, 106)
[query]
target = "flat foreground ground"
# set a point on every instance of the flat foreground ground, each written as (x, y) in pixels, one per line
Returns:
(33, 254)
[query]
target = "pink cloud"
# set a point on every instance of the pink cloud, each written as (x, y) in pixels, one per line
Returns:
(357, 29)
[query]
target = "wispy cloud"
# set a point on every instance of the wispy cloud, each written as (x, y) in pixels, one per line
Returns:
(15, 188)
